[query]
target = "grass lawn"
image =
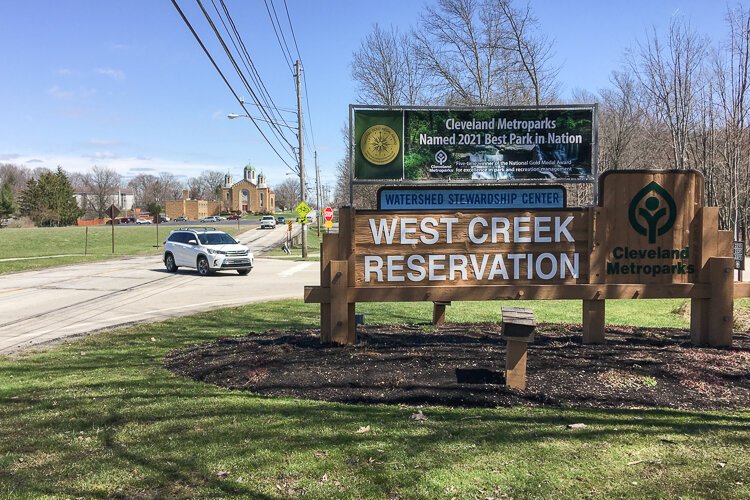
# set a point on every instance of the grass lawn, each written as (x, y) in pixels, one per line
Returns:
(101, 417)
(45, 241)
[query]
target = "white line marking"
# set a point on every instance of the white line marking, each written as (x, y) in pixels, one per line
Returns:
(293, 270)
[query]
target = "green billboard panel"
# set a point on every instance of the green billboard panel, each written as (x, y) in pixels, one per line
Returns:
(482, 144)
(379, 140)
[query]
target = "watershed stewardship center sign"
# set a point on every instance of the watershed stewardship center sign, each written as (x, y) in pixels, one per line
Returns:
(488, 144)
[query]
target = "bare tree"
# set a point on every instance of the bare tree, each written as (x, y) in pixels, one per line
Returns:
(100, 184)
(144, 188)
(211, 182)
(195, 188)
(376, 68)
(620, 123)
(669, 73)
(15, 176)
(168, 187)
(483, 52)
(732, 73)
(528, 49)
(460, 54)
(287, 193)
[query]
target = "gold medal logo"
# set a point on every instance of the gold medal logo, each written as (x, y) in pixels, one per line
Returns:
(380, 145)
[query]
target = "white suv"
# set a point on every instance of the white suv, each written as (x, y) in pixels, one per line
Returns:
(206, 250)
(267, 221)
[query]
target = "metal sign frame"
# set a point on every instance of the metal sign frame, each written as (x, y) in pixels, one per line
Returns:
(593, 180)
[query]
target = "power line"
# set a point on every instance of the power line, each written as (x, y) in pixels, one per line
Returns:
(309, 116)
(287, 56)
(245, 56)
(274, 128)
(291, 28)
(231, 89)
(304, 78)
(277, 132)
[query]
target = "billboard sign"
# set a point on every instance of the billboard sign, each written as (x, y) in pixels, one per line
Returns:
(481, 144)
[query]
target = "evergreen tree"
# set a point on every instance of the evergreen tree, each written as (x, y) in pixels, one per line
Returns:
(50, 201)
(7, 204)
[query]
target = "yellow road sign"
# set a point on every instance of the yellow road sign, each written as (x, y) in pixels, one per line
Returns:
(302, 209)
(329, 224)
(302, 220)
(289, 225)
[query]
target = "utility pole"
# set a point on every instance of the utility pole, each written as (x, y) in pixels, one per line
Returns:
(298, 76)
(317, 188)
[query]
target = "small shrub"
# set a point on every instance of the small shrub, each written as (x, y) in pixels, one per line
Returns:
(21, 223)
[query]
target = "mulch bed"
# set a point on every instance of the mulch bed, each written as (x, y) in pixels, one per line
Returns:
(462, 365)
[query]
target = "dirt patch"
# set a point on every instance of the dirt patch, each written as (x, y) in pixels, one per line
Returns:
(462, 365)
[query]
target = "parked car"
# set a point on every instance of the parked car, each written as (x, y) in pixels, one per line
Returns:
(233, 217)
(280, 220)
(211, 218)
(180, 219)
(163, 218)
(206, 250)
(143, 221)
(267, 222)
(127, 220)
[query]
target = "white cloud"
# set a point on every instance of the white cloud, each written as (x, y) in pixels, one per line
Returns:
(103, 142)
(68, 94)
(67, 72)
(128, 167)
(102, 155)
(112, 73)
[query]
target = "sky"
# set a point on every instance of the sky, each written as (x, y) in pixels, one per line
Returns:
(124, 85)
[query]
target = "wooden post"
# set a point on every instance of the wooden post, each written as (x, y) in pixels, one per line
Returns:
(593, 310)
(346, 253)
(328, 249)
(721, 303)
(593, 321)
(517, 330)
(339, 306)
(515, 364)
(704, 231)
(438, 313)
(704, 244)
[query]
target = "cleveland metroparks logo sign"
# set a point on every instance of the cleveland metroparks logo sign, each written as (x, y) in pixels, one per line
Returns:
(652, 211)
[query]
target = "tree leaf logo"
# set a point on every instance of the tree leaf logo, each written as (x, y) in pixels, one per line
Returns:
(652, 211)
(441, 157)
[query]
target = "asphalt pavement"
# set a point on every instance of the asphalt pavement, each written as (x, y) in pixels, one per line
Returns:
(39, 307)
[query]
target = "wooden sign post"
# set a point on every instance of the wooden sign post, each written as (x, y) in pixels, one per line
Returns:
(650, 237)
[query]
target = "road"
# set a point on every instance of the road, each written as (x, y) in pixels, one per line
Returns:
(38, 307)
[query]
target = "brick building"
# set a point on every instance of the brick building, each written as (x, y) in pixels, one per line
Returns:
(191, 209)
(251, 194)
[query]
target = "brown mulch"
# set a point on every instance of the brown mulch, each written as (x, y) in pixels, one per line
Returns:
(462, 365)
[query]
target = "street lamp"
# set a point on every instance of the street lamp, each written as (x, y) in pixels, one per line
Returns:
(300, 137)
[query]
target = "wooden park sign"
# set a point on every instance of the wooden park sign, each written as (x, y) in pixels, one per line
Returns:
(650, 237)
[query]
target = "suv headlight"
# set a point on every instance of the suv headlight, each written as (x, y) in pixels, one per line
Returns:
(215, 252)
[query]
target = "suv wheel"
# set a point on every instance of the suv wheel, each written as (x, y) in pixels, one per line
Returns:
(169, 263)
(203, 268)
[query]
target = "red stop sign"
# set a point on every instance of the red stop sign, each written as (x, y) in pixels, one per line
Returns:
(328, 213)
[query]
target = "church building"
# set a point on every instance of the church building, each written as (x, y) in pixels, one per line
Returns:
(251, 194)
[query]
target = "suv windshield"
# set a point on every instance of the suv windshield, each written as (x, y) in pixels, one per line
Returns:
(216, 239)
